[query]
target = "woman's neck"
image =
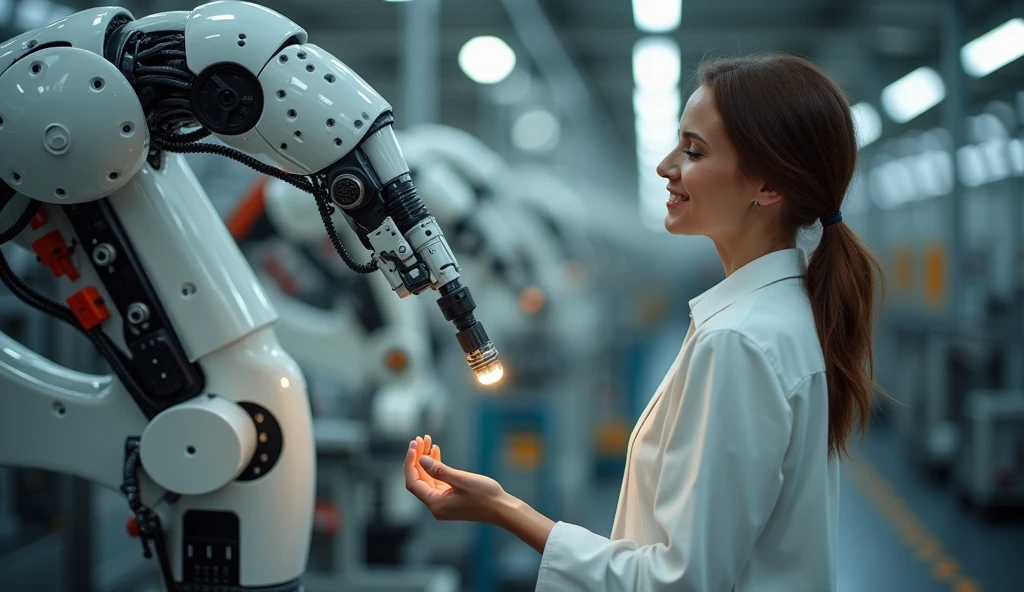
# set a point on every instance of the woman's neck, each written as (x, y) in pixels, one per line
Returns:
(735, 254)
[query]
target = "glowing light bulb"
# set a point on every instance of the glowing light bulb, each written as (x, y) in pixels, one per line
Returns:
(490, 374)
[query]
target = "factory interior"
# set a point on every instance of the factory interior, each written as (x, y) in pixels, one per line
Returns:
(532, 130)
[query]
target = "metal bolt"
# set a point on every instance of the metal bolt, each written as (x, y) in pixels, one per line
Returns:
(402, 249)
(104, 254)
(138, 313)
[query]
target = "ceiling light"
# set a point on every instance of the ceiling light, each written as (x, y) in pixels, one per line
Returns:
(487, 59)
(662, 104)
(994, 49)
(657, 16)
(656, 63)
(913, 94)
(536, 131)
(867, 123)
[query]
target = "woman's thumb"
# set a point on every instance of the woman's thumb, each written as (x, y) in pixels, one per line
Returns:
(438, 470)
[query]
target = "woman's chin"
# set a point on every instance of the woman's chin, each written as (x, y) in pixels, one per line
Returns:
(676, 224)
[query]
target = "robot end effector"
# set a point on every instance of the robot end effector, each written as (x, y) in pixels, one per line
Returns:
(408, 244)
(308, 120)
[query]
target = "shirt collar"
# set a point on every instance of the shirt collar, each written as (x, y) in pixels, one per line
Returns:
(767, 269)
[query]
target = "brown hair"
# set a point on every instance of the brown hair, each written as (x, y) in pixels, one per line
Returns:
(792, 128)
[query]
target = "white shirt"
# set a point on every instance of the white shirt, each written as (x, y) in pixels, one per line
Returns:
(728, 485)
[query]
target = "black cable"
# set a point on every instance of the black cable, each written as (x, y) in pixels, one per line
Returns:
(323, 206)
(161, 71)
(161, 80)
(150, 529)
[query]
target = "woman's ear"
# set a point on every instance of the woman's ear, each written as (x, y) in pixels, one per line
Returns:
(768, 196)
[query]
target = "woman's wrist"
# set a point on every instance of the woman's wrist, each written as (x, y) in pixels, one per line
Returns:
(518, 518)
(505, 508)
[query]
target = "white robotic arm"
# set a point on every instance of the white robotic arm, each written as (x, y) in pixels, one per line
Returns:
(205, 426)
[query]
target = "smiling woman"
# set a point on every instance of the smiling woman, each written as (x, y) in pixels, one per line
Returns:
(732, 474)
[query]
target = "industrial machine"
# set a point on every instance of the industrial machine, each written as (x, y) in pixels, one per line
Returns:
(950, 350)
(204, 425)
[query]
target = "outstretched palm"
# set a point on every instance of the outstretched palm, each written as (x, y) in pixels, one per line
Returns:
(449, 494)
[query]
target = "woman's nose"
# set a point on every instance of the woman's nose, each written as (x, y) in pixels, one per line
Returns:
(667, 170)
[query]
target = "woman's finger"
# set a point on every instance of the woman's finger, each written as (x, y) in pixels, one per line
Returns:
(435, 454)
(412, 468)
(428, 443)
(424, 475)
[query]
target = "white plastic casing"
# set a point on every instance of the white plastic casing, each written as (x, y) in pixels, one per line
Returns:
(198, 446)
(72, 127)
(213, 32)
(428, 241)
(207, 288)
(84, 30)
(384, 153)
(174, 20)
(315, 110)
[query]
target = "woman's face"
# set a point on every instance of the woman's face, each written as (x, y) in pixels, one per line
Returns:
(708, 195)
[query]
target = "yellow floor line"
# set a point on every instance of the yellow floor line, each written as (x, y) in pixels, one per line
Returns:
(911, 531)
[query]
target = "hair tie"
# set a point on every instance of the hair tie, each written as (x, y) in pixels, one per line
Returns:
(829, 220)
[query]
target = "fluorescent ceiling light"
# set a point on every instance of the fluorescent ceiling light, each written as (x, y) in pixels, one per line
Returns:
(487, 59)
(657, 104)
(656, 64)
(536, 131)
(867, 123)
(994, 49)
(913, 94)
(650, 138)
(657, 16)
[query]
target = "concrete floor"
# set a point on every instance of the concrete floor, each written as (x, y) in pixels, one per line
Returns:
(900, 530)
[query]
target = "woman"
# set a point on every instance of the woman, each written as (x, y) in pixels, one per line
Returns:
(732, 477)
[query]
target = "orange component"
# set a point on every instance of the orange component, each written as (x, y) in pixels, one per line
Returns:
(88, 306)
(531, 300)
(133, 527)
(39, 219)
(285, 280)
(525, 450)
(249, 211)
(54, 253)
(326, 518)
(396, 360)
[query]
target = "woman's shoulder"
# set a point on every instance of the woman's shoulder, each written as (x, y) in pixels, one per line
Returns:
(778, 320)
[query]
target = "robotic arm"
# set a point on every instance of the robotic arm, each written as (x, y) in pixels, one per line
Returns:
(205, 425)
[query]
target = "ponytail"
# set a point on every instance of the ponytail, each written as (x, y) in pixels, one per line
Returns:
(793, 130)
(841, 279)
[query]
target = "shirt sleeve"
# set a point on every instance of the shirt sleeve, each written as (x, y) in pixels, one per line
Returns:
(722, 474)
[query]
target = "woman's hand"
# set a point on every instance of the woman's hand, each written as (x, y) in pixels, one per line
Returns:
(450, 494)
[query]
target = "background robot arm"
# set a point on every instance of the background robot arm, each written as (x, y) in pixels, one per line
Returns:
(204, 399)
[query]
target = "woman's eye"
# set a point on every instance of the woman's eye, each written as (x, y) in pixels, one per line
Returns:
(693, 155)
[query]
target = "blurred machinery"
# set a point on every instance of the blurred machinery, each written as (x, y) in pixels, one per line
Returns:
(549, 324)
(950, 346)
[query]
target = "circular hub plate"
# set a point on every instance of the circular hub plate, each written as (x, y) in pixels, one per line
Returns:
(71, 127)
